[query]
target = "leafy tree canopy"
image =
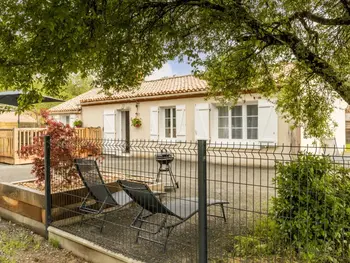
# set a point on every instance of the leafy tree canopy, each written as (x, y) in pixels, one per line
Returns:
(297, 49)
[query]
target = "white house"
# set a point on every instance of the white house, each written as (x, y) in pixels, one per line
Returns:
(176, 109)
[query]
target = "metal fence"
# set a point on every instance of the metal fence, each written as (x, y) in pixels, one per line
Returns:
(263, 203)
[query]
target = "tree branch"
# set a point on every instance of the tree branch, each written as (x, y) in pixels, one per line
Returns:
(340, 21)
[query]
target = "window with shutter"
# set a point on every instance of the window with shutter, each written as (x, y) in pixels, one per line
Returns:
(181, 123)
(201, 121)
(154, 120)
(267, 121)
(239, 122)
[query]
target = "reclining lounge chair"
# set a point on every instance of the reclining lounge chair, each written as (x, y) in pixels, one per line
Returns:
(182, 209)
(90, 175)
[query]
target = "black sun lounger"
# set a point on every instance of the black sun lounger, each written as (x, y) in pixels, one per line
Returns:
(182, 209)
(90, 175)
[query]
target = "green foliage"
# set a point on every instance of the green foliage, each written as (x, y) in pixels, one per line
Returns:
(264, 240)
(136, 121)
(76, 85)
(78, 123)
(312, 209)
(247, 45)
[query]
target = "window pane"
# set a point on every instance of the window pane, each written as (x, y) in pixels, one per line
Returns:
(167, 123)
(236, 111)
(223, 111)
(167, 133)
(174, 132)
(223, 122)
(167, 113)
(237, 122)
(236, 133)
(252, 110)
(252, 122)
(252, 134)
(174, 112)
(223, 133)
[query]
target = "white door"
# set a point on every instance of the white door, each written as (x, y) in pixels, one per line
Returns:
(109, 131)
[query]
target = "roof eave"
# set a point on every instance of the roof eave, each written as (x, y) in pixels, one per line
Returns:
(146, 98)
(65, 111)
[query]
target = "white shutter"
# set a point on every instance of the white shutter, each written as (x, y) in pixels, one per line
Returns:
(181, 123)
(109, 131)
(154, 132)
(201, 121)
(267, 121)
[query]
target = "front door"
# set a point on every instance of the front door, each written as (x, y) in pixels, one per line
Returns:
(125, 130)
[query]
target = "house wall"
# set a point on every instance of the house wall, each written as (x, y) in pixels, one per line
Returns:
(92, 115)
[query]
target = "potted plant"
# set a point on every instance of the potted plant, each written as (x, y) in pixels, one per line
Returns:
(78, 123)
(136, 122)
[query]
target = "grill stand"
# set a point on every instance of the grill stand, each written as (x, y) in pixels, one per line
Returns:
(165, 167)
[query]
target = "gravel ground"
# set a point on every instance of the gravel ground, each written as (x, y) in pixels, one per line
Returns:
(182, 246)
(18, 244)
(247, 189)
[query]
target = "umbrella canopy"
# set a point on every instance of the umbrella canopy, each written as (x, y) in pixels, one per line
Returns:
(11, 97)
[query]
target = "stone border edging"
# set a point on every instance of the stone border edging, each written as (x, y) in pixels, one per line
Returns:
(86, 249)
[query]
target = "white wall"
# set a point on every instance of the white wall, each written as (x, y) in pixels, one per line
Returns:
(92, 115)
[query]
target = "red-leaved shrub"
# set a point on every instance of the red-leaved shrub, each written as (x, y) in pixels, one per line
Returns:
(65, 147)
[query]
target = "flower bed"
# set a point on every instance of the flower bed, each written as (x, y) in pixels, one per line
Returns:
(26, 199)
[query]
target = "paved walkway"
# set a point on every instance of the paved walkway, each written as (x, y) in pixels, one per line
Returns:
(12, 173)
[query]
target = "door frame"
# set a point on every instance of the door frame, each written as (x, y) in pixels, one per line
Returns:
(123, 124)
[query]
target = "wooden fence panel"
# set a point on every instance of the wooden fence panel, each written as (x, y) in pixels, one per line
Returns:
(6, 142)
(11, 141)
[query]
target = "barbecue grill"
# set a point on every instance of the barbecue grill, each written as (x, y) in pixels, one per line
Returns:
(165, 158)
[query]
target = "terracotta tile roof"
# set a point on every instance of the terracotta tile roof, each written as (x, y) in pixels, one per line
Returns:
(73, 105)
(159, 87)
(12, 117)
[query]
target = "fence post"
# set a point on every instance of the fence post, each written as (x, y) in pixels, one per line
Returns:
(202, 200)
(47, 183)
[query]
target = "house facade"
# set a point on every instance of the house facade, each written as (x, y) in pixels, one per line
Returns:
(176, 109)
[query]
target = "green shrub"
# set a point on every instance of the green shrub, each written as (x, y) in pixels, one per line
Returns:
(312, 208)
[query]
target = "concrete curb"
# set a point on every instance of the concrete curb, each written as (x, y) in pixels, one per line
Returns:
(86, 249)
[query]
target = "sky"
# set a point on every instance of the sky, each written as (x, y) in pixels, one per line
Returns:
(171, 68)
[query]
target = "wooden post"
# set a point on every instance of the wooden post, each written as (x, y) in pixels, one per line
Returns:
(15, 145)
